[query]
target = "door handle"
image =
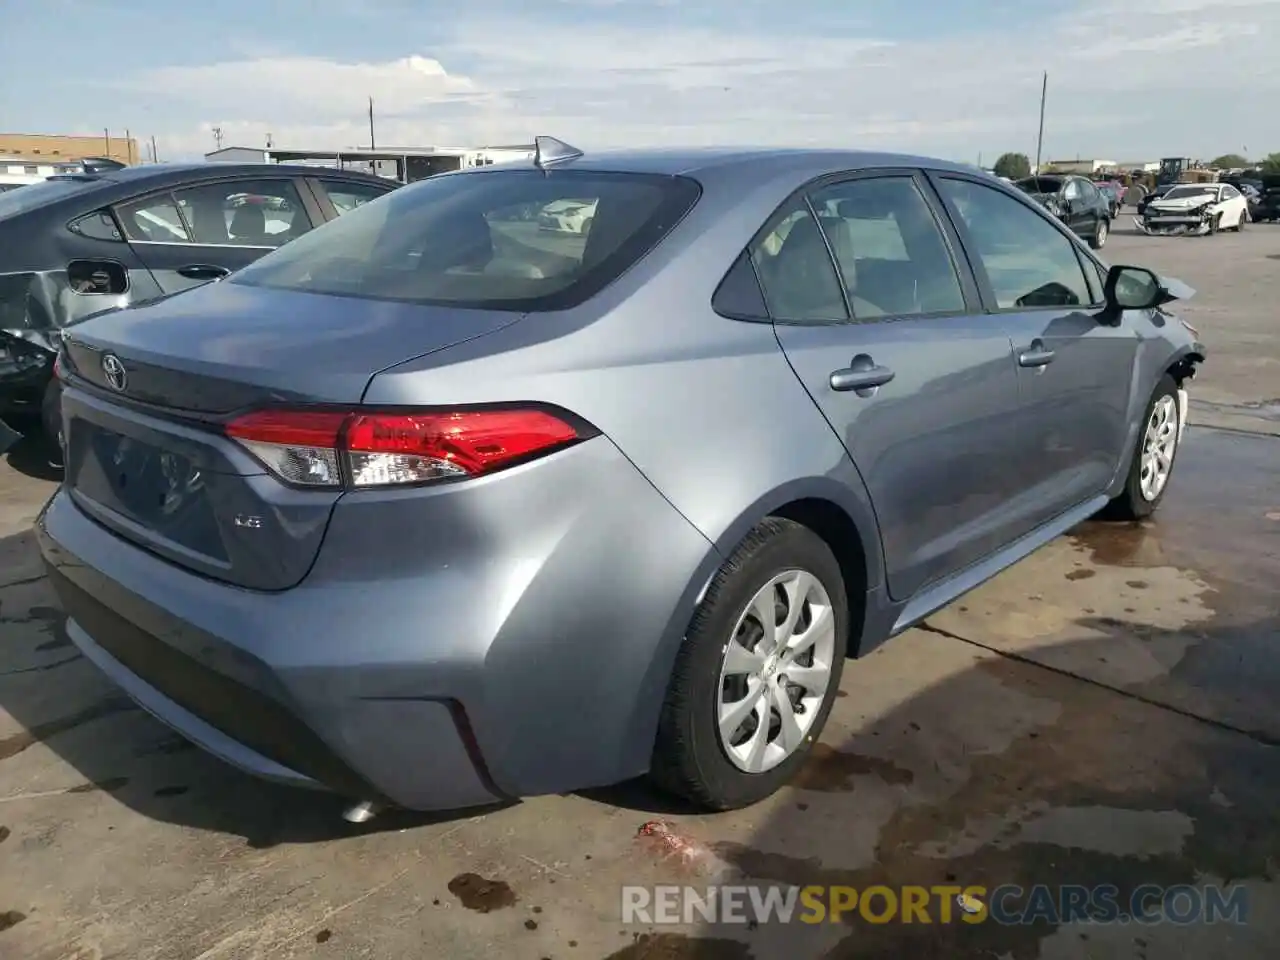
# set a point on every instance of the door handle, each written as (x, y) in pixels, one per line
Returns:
(1038, 355)
(203, 271)
(863, 374)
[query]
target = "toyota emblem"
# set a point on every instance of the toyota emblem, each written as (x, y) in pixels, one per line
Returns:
(113, 370)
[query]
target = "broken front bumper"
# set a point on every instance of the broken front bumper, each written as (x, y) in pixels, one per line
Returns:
(1172, 226)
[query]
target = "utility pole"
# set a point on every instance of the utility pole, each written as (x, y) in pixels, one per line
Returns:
(372, 143)
(106, 138)
(268, 141)
(154, 157)
(217, 138)
(1044, 93)
(128, 146)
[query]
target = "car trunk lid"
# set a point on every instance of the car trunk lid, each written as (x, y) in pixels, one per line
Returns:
(151, 387)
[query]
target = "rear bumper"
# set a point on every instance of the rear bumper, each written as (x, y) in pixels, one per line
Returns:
(509, 637)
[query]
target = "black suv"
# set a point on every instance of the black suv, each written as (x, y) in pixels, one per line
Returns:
(1268, 203)
(1075, 201)
(80, 243)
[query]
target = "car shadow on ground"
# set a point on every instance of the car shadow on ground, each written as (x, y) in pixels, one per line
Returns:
(1105, 749)
(30, 457)
(1084, 786)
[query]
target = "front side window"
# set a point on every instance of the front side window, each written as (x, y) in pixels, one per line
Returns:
(345, 197)
(1072, 190)
(795, 268)
(503, 239)
(892, 257)
(1028, 262)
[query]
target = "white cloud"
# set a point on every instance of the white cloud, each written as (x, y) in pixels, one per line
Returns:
(1171, 77)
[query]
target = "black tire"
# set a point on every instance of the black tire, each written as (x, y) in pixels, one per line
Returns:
(1215, 224)
(1244, 219)
(1133, 504)
(688, 757)
(51, 423)
(1100, 231)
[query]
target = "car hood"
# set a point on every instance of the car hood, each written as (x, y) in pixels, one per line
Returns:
(1182, 203)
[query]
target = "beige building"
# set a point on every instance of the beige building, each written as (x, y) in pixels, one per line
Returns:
(49, 148)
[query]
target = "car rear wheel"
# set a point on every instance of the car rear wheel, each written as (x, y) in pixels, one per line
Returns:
(758, 672)
(1244, 218)
(1153, 459)
(51, 423)
(1100, 231)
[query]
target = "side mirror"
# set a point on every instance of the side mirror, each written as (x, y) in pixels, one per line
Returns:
(1134, 288)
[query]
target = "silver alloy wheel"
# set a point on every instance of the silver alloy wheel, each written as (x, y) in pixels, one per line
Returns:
(775, 671)
(1158, 446)
(1102, 232)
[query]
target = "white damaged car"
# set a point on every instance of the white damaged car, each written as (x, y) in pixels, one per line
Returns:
(1195, 208)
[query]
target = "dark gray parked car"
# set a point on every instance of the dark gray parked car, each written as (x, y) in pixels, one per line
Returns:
(434, 509)
(109, 236)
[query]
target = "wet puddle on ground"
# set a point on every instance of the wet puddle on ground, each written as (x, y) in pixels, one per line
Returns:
(480, 894)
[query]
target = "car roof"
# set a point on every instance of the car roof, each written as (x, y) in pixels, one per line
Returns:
(706, 162)
(160, 174)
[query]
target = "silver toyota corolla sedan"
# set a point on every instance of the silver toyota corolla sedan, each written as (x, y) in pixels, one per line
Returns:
(433, 508)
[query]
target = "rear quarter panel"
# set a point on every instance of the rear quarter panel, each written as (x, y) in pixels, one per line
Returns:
(706, 407)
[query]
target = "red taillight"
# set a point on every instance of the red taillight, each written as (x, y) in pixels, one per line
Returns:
(372, 449)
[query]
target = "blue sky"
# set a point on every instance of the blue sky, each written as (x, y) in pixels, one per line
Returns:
(1127, 81)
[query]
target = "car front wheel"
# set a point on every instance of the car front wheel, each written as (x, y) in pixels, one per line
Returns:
(758, 672)
(1153, 458)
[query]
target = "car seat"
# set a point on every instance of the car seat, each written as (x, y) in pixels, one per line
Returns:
(249, 225)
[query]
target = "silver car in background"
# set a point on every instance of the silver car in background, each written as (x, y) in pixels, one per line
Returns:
(434, 508)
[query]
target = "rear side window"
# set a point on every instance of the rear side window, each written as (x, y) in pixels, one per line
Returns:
(153, 220)
(502, 239)
(234, 213)
(892, 257)
(795, 269)
(243, 213)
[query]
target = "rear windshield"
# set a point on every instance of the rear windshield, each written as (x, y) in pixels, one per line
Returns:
(37, 195)
(508, 239)
(1041, 184)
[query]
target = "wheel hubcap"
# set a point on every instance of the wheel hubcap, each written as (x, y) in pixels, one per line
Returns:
(776, 671)
(1158, 447)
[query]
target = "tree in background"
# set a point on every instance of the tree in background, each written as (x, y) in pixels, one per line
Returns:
(1015, 166)
(1272, 163)
(1229, 161)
